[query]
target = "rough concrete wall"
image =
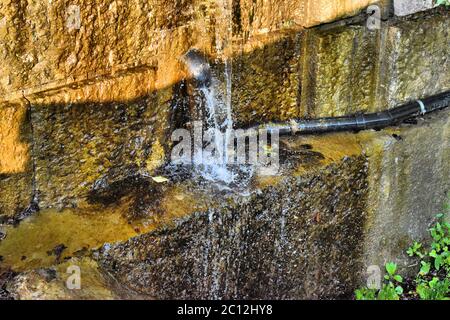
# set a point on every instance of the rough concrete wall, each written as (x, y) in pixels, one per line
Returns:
(409, 183)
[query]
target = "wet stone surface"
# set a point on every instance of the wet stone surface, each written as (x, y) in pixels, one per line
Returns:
(84, 146)
(307, 232)
(297, 237)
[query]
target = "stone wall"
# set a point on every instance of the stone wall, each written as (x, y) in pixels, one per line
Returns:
(299, 236)
(278, 73)
(351, 68)
(343, 202)
(84, 106)
(340, 68)
(409, 172)
(50, 44)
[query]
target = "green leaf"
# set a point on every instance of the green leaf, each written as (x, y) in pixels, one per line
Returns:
(425, 269)
(399, 290)
(398, 278)
(438, 262)
(391, 267)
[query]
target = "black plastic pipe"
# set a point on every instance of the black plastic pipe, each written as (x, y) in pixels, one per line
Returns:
(376, 120)
(201, 71)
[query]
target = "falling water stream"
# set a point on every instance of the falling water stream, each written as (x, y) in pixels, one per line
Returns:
(213, 163)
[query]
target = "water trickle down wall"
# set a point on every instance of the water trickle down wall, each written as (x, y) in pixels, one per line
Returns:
(104, 111)
(215, 101)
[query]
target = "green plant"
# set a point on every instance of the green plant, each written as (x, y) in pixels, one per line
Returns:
(366, 294)
(443, 2)
(391, 290)
(435, 289)
(432, 281)
(415, 250)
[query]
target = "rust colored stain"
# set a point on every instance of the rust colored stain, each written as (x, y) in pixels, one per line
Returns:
(14, 153)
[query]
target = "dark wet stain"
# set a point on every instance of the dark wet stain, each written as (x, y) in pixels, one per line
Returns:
(6, 276)
(57, 251)
(291, 157)
(410, 121)
(306, 146)
(143, 193)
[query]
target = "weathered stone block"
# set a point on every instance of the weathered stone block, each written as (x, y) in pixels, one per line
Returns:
(349, 69)
(259, 17)
(339, 71)
(297, 237)
(322, 11)
(50, 44)
(80, 145)
(416, 57)
(265, 81)
(409, 183)
(46, 45)
(256, 17)
(406, 7)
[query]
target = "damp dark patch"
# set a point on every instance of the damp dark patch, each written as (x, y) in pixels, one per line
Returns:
(15, 220)
(6, 276)
(143, 193)
(57, 251)
(306, 146)
(180, 106)
(237, 17)
(290, 157)
(410, 121)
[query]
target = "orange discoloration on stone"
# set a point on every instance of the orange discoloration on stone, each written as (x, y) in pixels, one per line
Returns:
(14, 151)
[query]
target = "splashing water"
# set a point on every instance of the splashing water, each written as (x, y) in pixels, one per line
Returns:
(213, 163)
